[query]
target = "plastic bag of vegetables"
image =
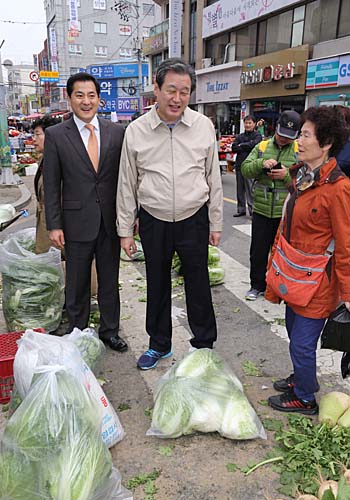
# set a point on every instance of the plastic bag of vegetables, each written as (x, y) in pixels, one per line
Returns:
(32, 287)
(216, 275)
(138, 255)
(36, 349)
(213, 255)
(55, 430)
(199, 393)
(90, 346)
(7, 212)
(25, 238)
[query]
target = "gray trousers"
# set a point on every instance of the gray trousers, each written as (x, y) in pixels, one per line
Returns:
(244, 193)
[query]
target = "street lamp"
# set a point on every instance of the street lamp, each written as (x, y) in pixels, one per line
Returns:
(6, 176)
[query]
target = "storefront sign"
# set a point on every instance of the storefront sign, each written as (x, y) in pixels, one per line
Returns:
(268, 73)
(102, 71)
(280, 73)
(322, 73)
(175, 16)
(53, 48)
(226, 14)
(218, 86)
(117, 70)
(344, 70)
(128, 106)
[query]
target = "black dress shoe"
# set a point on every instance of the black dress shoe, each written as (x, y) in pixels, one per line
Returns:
(241, 214)
(116, 343)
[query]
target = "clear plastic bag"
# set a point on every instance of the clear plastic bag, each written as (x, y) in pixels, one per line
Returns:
(200, 394)
(55, 431)
(32, 287)
(25, 238)
(35, 349)
(90, 346)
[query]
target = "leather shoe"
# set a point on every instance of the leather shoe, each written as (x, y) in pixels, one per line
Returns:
(116, 343)
(241, 214)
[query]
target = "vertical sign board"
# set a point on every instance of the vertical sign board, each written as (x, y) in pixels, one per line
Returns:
(175, 21)
(53, 49)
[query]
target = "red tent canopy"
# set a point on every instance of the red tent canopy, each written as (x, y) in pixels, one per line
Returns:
(33, 116)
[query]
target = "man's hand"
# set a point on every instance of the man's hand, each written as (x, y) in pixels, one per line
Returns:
(268, 164)
(347, 305)
(128, 245)
(57, 238)
(214, 238)
(278, 173)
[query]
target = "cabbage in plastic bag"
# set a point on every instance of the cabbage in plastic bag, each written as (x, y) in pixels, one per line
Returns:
(200, 394)
(90, 346)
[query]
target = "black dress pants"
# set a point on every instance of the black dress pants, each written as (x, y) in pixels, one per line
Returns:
(79, 256)
(244, 192)
(189, 238)
(264, 230)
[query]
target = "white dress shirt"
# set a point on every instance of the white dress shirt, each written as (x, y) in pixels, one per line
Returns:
(85, 133)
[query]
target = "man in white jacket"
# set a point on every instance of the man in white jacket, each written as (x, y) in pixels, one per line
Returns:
(170, 184)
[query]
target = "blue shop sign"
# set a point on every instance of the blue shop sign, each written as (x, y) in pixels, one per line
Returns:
(108, 88)
(129, 70)
(102, 71)
(109, 105)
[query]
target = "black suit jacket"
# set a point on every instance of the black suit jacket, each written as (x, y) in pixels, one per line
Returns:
(76, 196)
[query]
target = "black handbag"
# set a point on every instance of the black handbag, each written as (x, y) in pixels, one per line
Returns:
(336, 333)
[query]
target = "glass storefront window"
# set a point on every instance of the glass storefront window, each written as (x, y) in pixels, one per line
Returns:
(270, 109)
(246, 42)
(225, 116)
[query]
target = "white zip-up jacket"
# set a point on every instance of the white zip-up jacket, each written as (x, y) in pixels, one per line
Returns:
(170, 172)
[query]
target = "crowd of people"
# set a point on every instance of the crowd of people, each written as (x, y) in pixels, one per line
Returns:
(160, 178)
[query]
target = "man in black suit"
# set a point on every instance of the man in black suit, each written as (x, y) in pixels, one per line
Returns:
(81, 161)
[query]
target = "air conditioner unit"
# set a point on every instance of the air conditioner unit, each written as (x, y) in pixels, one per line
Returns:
(207, 62)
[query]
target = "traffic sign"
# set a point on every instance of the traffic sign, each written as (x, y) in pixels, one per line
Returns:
(34, 76)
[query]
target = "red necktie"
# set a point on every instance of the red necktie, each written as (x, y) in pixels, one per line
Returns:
(92, 147)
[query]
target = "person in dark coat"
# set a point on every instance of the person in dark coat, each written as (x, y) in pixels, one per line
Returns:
(343, 157)
(81, 161)
(242, 145)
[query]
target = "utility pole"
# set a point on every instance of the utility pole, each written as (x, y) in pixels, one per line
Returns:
(6, 176)
(120, 6)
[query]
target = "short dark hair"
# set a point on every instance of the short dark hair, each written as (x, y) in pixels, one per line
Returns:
(178, 66)
(81, 77)
(45, 121)
(249, 117)
(330, 126)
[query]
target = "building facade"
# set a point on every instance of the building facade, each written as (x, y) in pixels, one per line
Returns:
(82, 33)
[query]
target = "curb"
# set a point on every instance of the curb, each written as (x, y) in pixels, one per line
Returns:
(24, 199)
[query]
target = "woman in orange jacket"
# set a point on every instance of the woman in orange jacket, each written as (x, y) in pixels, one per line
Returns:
(320, 214)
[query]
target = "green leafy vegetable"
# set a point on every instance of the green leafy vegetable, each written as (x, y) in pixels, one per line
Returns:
(33, 295)
(216, 275)
(18, 477)
(251, 369)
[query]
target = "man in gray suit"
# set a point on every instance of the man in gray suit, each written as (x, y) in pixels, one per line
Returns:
(81, 161)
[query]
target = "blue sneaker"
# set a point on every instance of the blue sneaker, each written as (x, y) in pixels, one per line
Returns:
(150, 358)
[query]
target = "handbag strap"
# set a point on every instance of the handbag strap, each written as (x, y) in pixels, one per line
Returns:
(287, 211)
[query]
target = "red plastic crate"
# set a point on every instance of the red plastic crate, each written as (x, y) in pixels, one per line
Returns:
(8, 349)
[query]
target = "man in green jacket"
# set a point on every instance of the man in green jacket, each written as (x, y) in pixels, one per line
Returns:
(268, 164)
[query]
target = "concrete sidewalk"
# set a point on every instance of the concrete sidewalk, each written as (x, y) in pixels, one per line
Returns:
(17, 195)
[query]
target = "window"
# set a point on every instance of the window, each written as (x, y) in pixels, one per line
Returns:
(246, 42)
(148, 9)
(278, 32)
(73, 70)
(100, 50)
(145, 32)
(125, 52)
(344, 19)
(74, 48)
(100, 28)
(215, 48)
(298, 26)
(321, 21)
(77, 2)
(261, 38)
(100, 4)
